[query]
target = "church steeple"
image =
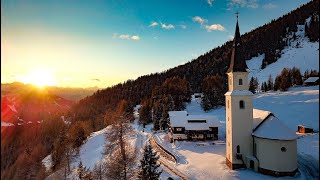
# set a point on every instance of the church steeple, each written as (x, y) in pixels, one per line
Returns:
(237, 64)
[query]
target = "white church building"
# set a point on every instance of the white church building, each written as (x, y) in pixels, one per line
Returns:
(255, 139)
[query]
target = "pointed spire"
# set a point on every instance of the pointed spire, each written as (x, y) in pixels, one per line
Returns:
(237, 64)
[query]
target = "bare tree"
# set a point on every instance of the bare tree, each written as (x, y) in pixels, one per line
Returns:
(122, 154)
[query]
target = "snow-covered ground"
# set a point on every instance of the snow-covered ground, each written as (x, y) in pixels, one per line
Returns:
(205, 160)
(305, 57)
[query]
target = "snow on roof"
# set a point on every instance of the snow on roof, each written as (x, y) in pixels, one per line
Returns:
(6, 124)
(239, 93)
(311, 79)
(259, 116)
(273, 128)
(181, 118)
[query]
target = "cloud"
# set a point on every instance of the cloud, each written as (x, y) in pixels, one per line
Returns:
(169, 26)
(214, 27)
(183, 26)
(153, 24)
(198, 19)
(124, 36)
(210, 2)
(95, 79)
(128, 37)
(136, 38)
(269, 6)
(243, 3)
(230, 37)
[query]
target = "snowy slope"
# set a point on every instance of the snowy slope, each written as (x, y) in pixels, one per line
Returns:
(305, 57)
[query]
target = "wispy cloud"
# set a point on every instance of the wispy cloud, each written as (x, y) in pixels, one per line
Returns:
(210, 2)
(169, 26)
(269, 6)
(183, 26)
(127, 37)
(95, 79)
(136, 38)
(153, 24)
(243, 3)
(199, 19)
(214, 27)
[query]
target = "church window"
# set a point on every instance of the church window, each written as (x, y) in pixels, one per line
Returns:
(240, 81)
(238, 149)
(228, 104)
(241, 104)
(283, 149)
(230, 81)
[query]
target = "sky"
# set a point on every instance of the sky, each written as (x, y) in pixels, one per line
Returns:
(87, 43)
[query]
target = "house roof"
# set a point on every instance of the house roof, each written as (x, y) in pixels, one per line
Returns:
(180, 119)
(272, 128)
(311, 79)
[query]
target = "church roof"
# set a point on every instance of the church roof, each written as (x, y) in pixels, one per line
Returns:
(237, 64)
(258, 117)
(271, 127)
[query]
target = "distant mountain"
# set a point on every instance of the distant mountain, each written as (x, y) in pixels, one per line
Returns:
(26, 104)
(268, 41)
(73, 94)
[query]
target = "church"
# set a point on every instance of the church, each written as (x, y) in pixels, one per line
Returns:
(255, 139)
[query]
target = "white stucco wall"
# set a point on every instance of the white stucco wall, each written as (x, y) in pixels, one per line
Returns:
(238, 121)
(270, 156)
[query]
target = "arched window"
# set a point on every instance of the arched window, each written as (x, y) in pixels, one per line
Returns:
(241, 104)
(238, 149)
(240, 81)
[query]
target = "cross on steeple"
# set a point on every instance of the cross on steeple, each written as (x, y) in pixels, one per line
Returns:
(237, 64)
(237, 13)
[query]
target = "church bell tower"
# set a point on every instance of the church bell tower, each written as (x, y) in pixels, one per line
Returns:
(238, 108)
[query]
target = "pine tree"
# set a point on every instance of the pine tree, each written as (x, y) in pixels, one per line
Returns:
(270, 83)
(148, 169)
(251, 85)
(83, 172)
(277, 82)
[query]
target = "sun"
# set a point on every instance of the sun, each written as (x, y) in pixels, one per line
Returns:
(40, 78)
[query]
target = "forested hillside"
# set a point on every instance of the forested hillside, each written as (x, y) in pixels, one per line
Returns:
(269, 39)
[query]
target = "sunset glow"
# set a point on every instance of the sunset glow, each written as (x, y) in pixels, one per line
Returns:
(40, 78)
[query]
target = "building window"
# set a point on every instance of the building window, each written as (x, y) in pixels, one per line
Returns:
(238, 149)
(241, 104)
(228, 104)
(228, 144)
(255, 149)
(230, 81)
(283, 149)
(240, 81)
(228, 119)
